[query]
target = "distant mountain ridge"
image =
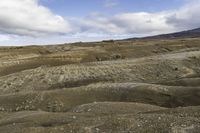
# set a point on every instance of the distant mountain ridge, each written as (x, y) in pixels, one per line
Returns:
(183, 34)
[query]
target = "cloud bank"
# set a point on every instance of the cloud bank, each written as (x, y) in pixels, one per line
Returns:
(186, 17)
(145, 23)
(27, 17)
(127, 23)
(20, 20)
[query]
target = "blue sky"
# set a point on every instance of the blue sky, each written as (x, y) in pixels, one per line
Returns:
(27, 22)
(84, 7)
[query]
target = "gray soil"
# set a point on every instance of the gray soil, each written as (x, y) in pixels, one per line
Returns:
(132, 86)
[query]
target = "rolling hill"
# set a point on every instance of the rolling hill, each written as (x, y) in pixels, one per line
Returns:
(128, 86)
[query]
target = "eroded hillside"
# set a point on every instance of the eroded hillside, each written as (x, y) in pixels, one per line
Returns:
(134, 86)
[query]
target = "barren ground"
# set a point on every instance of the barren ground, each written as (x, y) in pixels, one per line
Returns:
(133, 86)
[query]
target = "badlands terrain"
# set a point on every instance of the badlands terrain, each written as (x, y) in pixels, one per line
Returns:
(148, 85)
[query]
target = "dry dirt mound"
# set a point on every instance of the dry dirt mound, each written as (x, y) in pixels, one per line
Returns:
(113, 86)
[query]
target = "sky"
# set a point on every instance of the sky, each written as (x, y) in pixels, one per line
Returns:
(39, 22)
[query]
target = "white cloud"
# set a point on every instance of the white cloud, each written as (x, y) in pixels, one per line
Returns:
(145, 23)
(127, 23)
(186, 17)
(96, 22)
(27, 17)
(4, 38)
